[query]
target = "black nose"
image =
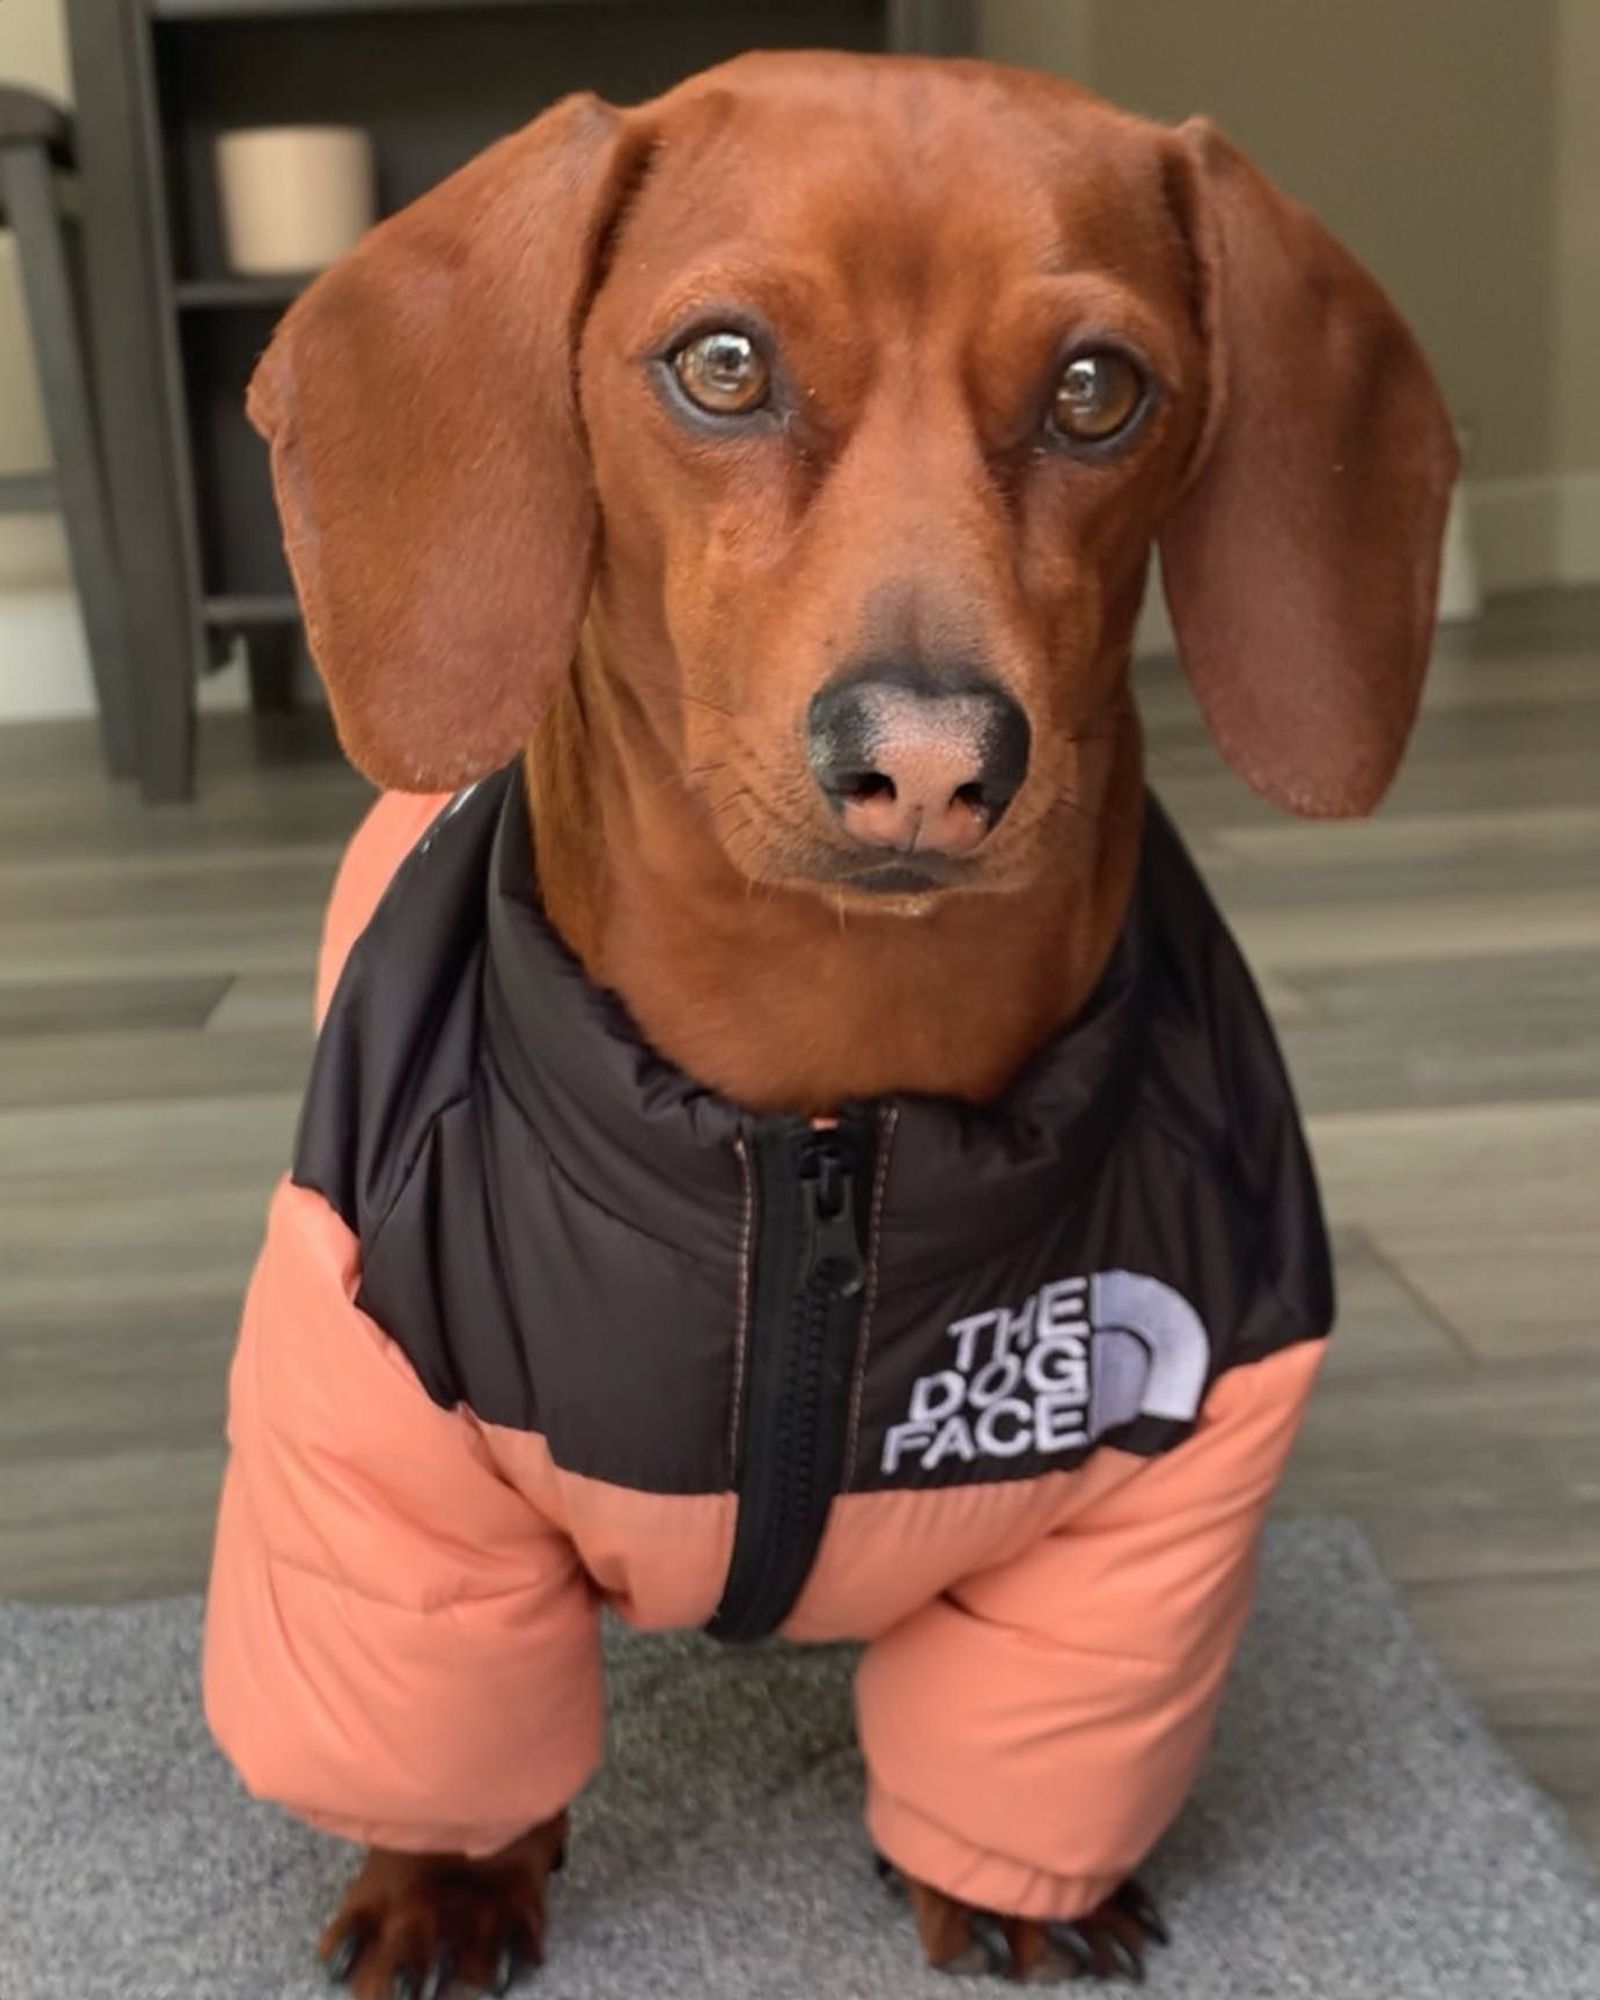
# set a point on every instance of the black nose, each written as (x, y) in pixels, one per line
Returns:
(911, 764)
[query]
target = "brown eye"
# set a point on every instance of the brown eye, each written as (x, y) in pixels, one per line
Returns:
(723, 372)
(1098, 395)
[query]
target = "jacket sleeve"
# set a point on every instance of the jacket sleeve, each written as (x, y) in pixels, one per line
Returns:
(398, 1646)
(1031, 1734)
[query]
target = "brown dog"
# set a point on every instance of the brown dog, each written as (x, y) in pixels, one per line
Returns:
(778, 464)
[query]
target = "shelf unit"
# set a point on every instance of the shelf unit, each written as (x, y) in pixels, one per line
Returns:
(177, 333)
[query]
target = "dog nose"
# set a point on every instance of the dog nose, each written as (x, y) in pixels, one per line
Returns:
(909, 765)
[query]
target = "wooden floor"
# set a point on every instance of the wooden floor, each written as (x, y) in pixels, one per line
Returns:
(1436, 974)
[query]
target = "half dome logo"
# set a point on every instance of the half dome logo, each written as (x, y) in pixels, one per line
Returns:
(1078, 1358)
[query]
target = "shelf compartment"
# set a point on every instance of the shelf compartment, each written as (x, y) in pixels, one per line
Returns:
(240, 555)
(218, 294)
(433, 84)
(269, 608)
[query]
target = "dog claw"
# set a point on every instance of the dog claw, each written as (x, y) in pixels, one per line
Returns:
(516, 1953)
(405, 1985)
(440, 1974)
(1071, 1942)
(993, 1942)
(1132, 1901)
(341, 1961)
(1124, 1958)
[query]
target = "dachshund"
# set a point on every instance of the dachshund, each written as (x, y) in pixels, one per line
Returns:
(721, 526)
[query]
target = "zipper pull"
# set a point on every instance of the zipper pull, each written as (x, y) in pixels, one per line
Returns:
(833, 1247)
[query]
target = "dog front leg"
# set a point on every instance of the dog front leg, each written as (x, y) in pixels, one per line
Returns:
(1031, 1734)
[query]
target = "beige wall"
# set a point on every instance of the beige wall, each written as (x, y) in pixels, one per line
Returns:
(1577, 234)
(32, 51)
(1453, 144)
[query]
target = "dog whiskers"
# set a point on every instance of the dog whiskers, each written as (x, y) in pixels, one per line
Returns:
(688, 696)
(689, 779)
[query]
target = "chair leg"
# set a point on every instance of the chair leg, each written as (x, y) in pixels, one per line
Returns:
(58, 348)
(270, 652)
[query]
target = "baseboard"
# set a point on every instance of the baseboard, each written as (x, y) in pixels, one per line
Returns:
(1541, 530)
(44, 662)
(44, 665)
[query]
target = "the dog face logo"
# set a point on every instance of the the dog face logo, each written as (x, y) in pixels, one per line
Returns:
(1078, 1358)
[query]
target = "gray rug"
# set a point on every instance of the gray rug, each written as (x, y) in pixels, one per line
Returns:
(1357, 1834)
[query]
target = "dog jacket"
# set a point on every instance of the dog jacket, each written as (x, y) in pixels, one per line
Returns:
(542, 1325)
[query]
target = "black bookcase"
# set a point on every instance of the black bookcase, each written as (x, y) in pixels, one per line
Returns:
(175, 334)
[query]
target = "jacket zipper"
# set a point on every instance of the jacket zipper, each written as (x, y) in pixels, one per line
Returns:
(807, 1292)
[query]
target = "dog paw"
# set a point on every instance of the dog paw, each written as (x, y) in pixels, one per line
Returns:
(422, 1926)
(1109, 1943)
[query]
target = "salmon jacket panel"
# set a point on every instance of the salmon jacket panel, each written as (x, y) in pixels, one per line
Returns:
(541, 1324)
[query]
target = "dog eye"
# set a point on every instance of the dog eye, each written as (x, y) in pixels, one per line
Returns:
(1097, 395)
(723, 372)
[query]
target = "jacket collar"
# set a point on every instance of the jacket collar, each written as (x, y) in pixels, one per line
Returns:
(651, 1145)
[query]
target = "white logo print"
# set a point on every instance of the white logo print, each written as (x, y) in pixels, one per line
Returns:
(1073, 1361)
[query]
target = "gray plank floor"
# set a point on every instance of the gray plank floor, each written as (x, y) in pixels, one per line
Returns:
(1435, 973)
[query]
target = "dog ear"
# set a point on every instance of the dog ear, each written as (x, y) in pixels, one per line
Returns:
(1301, 563)
(428, 458)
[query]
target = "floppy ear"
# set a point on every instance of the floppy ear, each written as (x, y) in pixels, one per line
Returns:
(428, 459)
(1301, 563)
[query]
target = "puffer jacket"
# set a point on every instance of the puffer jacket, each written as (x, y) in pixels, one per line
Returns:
(542, 1325)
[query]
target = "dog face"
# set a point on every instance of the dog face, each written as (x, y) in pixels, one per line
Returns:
(845, 398)
(884, 391)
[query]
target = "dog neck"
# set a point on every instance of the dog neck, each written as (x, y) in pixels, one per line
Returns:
(770, 995)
